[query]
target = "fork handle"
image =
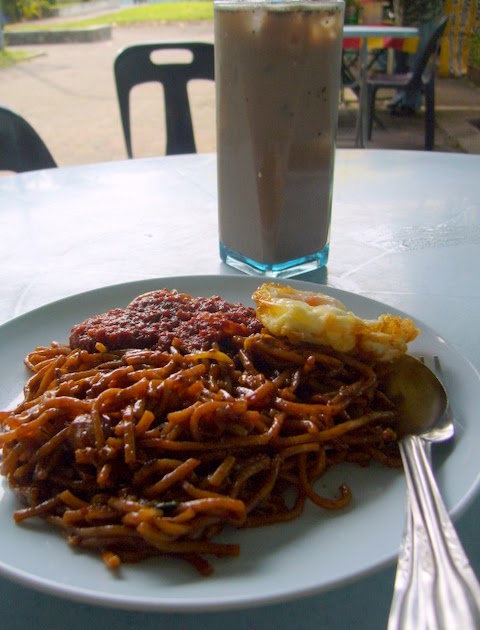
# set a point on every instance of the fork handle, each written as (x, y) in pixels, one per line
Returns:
(435, 586)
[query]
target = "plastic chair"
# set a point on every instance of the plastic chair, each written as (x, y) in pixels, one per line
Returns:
(422, 77)
(21, 148)
(349, 76)
(134, 66)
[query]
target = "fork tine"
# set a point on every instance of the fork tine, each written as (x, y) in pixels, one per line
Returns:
(438, 365)
(433, 364)
(437, 369)
(427, 361)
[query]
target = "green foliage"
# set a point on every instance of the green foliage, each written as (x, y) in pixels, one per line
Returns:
(474, 50)
(28, 10)
(151, 13)
(20, 10)
(11, 57)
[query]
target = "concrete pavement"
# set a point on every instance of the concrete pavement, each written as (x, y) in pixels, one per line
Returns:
(67, 92)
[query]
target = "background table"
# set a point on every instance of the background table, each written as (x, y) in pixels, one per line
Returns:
(406, 231)
(376, 36)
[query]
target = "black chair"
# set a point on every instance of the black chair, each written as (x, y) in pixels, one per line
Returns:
(350, 78)
(422, 77)
(21, 148)
(134, 65)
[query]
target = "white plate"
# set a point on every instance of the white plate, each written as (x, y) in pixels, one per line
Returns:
(316, 552)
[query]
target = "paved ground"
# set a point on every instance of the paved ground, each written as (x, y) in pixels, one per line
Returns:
(67, 92)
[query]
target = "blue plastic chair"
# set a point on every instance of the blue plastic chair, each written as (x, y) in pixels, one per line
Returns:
(421, 78)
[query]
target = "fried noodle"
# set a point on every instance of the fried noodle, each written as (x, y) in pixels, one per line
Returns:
(138, 453)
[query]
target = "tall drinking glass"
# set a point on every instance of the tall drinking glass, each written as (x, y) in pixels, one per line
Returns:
(277, 76)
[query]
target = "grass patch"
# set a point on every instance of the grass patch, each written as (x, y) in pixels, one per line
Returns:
(9, 58)
(145, 14)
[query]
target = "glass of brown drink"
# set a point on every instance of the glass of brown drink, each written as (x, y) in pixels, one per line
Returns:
(277, 75)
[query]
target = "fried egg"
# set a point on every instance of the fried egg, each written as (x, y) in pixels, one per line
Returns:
(309, 317)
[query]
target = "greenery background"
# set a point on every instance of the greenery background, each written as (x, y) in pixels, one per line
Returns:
(25, 15)
(24, 12)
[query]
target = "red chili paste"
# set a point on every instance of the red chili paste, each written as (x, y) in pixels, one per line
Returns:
(160, 319)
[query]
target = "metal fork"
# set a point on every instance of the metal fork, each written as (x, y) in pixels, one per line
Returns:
(435, 586)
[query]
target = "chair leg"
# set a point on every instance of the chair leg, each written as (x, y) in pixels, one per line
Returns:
(430, 115)
(371, 95)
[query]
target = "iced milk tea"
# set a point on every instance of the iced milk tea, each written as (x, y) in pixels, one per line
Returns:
(277, 79)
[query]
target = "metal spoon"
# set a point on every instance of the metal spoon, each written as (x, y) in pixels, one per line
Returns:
(435, 586)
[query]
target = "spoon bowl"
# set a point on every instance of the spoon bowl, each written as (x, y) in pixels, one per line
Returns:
(420, 400)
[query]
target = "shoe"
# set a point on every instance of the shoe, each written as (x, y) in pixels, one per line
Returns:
(401, 110)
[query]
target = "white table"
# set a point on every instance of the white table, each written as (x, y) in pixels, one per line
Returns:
(406, 231)
(364, 32)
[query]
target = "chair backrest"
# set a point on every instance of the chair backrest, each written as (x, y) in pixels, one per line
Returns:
(424, 68)
(134, 65)
(21, 148)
